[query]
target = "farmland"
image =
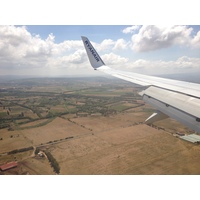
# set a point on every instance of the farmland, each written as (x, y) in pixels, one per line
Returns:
(87, 126)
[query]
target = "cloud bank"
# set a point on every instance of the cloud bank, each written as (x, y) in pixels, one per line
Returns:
(23, 52)
(150, 38)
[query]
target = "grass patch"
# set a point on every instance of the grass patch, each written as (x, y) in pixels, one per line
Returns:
(37, 125)
(3, 114)
(120, 107)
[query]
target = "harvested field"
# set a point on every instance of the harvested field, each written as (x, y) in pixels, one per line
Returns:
(57, 129)
(132, 150)
(14, 142)
(100, 123)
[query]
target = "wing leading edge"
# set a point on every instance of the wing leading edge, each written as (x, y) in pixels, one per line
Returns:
(177, 99)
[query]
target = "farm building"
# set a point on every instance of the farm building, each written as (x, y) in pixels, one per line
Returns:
(8, 166)
(191, 138)
(180, 134)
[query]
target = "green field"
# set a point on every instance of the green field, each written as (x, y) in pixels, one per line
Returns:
(31, 100)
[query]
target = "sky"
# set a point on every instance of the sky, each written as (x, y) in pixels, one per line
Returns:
(57, 50)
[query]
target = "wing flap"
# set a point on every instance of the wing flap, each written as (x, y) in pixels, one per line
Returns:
(181, 107)
(182, 102)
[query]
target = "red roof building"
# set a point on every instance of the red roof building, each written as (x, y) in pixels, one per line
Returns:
(8, 166)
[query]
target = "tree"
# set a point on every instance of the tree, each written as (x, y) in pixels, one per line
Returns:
(37, 150)
(53, 162)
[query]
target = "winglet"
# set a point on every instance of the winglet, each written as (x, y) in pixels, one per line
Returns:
(94, 58)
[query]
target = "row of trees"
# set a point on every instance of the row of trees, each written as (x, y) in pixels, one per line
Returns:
(20, 150)
(52, 161)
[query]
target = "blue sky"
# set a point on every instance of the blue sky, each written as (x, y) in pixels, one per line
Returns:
(58, 50)
(73, 32)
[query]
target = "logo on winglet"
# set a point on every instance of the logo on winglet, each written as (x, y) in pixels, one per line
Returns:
(92, 51)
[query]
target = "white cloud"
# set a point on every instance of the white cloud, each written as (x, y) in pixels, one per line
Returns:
(73, 60)
(110, 45)
(20, 49)
(120, 44)
(196, 40)
(156, 37)
(182, 64)
(78, 57)
(68, 45)
(17, 43)
(131, 29)
(113, 59)
(106, 44)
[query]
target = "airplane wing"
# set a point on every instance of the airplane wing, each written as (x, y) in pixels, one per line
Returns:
(172, 98)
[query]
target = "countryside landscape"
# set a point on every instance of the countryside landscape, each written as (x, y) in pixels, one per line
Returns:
(87, 125)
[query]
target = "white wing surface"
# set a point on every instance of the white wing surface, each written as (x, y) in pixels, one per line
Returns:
(177, 99)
